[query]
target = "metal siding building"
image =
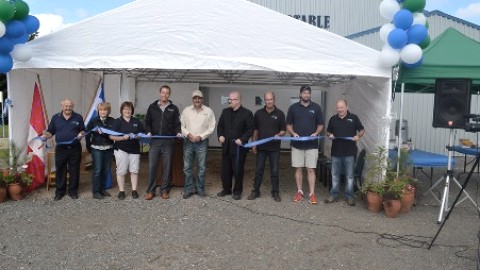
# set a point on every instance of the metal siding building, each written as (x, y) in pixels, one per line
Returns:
(360, 21)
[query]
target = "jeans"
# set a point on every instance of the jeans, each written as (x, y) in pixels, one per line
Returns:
(102, 160)
(194, 152)
(339, 163)
(163, 147)
(273, 159)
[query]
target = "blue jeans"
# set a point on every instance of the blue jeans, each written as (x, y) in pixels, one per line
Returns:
(102, 162)
(273, 159)
(338, 165)
(194, 152)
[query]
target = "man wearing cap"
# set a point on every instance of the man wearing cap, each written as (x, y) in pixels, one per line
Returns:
(198, 123)
(235, 127)
(305, 118)
(163, 118)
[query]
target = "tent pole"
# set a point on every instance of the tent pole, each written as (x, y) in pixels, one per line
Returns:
(400, 129)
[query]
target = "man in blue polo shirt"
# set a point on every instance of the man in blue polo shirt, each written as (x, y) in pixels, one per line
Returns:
(68, 128)
(305, 118)
(341, 126)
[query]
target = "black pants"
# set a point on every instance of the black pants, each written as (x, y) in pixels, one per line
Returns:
(67, 157)
(231, 167)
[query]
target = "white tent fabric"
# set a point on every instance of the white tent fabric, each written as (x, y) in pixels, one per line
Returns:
(206, 34)
(202, 37)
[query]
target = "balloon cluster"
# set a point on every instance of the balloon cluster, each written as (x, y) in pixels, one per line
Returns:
(406, 34)
(16, 26)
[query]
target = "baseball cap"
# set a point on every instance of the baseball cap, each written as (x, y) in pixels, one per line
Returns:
(305, 87)
(197, 93)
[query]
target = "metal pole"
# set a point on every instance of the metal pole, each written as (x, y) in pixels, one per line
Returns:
(400, 129)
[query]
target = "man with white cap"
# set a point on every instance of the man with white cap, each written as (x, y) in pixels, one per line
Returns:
(198, 123)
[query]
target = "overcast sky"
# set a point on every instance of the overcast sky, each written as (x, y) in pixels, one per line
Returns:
(57, 14)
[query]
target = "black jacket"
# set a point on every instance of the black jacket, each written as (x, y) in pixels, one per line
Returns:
(240, 128)
(94, 137)
(158, 122)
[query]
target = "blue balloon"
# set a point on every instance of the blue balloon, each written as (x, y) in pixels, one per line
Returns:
(403, 19)
(397, 38)
(15, 29)
(414, 65)
(21, 39)
(6, 63)
(31, 23)
(417, 34)
(400, 1)
(6, 45)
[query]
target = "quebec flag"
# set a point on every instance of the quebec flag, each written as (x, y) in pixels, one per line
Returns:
(99, 97)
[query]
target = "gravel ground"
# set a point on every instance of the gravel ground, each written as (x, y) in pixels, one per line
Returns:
(220, 233)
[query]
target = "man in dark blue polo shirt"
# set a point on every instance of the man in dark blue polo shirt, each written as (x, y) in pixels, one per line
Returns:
(68, 128)
(305, 118)
(341, 127)
(269, 122)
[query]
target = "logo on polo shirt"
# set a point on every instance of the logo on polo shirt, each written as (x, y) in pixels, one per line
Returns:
(274, 117)
(312, 111)
(170, 109)
(350, 120)
(135, 125)
(76, 123)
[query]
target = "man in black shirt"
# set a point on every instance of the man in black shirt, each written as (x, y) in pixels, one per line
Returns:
(68, 128)
(235, 127)
(163, 118)
(341, 127)
(269, 122)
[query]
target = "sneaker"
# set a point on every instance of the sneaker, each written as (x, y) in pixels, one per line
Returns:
(253, 195)
(298, 197)
(330, 200)
(351, 202)
(187, 195)
(312, 199)
(105, 194)
(276, 197)
(134, 194)
(97, 196)
(121, 195)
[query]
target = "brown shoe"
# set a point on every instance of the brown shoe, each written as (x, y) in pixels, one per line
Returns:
(165, 195)
(149, 196)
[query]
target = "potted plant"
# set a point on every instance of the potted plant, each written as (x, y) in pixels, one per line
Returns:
(3, 189)
(13, 174)
(410, 183)
(377, 169)
(391, 197)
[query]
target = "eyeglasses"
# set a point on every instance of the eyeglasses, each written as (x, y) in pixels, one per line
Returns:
(230, 99)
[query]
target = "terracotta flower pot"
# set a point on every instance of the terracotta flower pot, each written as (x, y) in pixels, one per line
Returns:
(15, 191)
(3, 194)
(392, 208)
(407, 201)
(374, 202)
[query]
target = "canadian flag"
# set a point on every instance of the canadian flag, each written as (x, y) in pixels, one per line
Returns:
(36, 147)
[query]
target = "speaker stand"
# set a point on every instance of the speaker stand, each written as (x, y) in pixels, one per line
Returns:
(447, 178)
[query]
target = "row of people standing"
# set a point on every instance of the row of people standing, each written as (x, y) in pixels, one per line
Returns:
(197, 122)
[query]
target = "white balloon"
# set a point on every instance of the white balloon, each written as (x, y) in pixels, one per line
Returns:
(21, 53)
(388, 8)
(419, 18)
(411, 54)
(389, 57)
(385, 30)
(3, 29)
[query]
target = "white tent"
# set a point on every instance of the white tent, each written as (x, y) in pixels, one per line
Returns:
(203, 42)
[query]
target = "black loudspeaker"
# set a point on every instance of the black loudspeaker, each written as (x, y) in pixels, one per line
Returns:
(452, 102)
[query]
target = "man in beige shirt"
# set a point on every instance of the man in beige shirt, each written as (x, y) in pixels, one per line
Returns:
(198, 123)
